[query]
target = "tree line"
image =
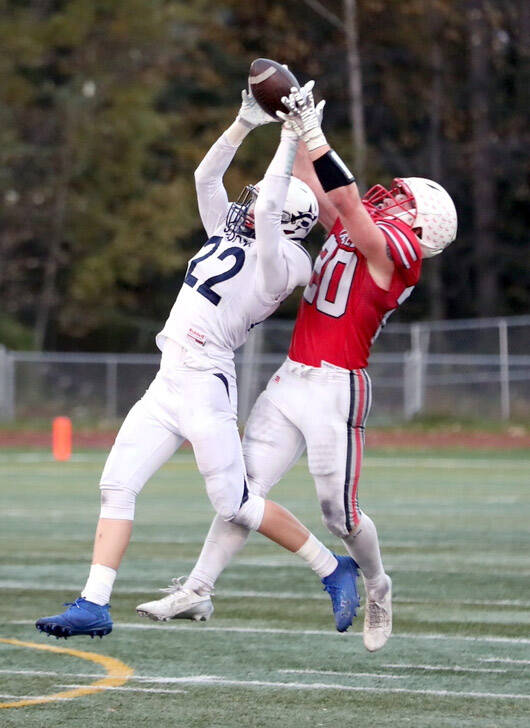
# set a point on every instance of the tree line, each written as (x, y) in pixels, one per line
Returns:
(107, 106)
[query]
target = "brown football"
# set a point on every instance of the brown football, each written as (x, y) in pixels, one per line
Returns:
(269, 81)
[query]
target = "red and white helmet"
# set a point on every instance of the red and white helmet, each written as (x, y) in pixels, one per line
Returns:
(420, 203)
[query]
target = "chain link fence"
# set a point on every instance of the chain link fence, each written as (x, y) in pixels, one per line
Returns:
(478, 368)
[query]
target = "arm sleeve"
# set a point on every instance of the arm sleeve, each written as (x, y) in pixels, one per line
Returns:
(404, 249)
(211, 193)
(274, 266)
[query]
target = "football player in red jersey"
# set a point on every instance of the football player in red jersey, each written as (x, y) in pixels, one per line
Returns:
(320, 397)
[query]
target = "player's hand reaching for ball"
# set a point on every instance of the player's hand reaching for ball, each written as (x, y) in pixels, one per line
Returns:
(304, 117)
(251, 114)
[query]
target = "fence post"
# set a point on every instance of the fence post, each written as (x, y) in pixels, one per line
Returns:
(111, 389)
(504, 367)
(7, 385)
(413, 375)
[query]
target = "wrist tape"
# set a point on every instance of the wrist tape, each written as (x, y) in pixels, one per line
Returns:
(332, 172)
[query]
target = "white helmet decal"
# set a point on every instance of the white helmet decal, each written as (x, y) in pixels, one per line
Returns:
(300, 211)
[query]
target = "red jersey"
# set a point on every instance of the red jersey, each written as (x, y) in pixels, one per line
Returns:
(343, 309)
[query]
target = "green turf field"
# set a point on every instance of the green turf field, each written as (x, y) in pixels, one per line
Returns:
(455, 537)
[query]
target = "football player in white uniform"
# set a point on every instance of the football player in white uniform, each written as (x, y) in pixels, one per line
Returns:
(251, 261)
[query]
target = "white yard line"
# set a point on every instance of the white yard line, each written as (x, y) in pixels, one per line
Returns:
(446, 668)
(251, 594)
(129, 690)
(163, 626)
(508, 660)
(213, 680)
(27, 697)
(345, 674)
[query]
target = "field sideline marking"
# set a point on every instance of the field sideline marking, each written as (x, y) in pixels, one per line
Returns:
(345, 674)
(400, 666)
(117, 674)
(247, 594)
(392, 461)
(504, 659)
(214, 680)
(316, 632)
(447, 668)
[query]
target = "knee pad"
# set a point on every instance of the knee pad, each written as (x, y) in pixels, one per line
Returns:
(117, 502)
(333, 517)
(250, 515)
(225, 493)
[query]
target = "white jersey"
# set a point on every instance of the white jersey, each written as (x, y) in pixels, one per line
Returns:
(234, 282)
(222, 299)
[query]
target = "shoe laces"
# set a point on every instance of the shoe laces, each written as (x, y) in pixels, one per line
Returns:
(73, 604)
(177, 584)
(376, 614)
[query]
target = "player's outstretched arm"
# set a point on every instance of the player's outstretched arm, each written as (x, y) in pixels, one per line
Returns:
(211, 193)
(276, 275)
(338, 183)
(304, 170)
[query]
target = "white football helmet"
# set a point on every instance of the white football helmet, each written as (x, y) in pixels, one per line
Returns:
(299, 215)
(420, 203)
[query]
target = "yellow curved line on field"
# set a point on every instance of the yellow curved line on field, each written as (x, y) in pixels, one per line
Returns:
(117, 674)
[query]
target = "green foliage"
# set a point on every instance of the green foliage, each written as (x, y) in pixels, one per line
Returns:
(107, 106)
(14, 335)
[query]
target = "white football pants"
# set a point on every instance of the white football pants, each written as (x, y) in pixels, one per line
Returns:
(325, 410)
(182, 404)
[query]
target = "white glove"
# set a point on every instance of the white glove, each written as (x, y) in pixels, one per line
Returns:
(303, 116)
(251, 114)
(290, 131)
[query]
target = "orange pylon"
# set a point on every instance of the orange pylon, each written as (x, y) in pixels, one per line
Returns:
(62, 438)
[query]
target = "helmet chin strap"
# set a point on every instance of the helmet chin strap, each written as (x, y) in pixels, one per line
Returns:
(428, 252)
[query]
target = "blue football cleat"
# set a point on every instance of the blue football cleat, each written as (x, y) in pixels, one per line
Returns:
(81, 617)
(341, 586)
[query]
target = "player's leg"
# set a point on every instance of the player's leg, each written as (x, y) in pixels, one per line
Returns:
(143, 444)
(271, 446)
(265, 467)
(287, 393)
(335, 451)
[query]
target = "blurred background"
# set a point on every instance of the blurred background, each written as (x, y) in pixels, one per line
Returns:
(106, 108)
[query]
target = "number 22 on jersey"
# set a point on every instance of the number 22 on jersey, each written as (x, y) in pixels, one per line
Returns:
(206, 287)
(330, 284)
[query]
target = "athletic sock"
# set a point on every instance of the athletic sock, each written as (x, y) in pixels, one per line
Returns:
(319, 558)
(99, 584)
(223, 542)
(363, 546)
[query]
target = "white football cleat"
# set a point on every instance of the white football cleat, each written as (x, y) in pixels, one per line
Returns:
(180, 603)
(378, 620)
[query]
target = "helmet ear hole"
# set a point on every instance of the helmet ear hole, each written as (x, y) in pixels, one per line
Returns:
(417, 232)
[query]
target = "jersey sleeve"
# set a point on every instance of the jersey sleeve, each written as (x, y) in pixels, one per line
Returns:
(404, 249)
(211, 193)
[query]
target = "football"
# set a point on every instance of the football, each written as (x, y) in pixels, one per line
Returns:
(269, 81)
